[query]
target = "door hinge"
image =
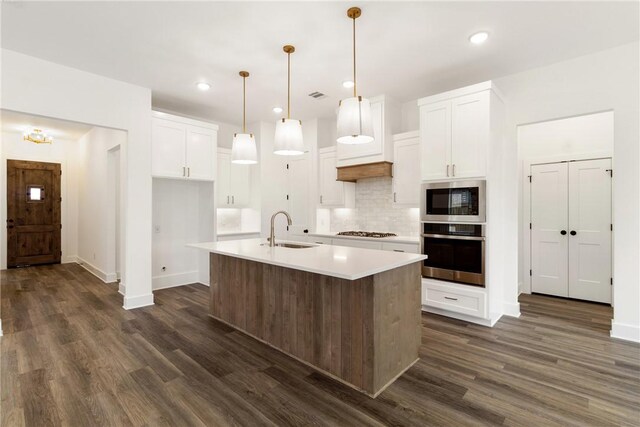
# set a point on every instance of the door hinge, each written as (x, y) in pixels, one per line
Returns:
(610, 172)
(60, 171)
(611, 227)
(530, 272)
(287, 197)
(287, 228)
(529, 226)
(287, 165)
(611, 280)
(529, 178)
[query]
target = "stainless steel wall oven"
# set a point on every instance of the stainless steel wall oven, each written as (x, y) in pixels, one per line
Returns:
(456, 252)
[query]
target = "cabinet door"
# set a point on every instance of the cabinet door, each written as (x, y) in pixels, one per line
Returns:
(201, 153)
(374, 148)
(168, 148)
(406, 173)
(548, 219)
(435, 140)
(239, 185)
(590, 219)
(469, 135)
(299, 174)
(331, 190)
(223, 174)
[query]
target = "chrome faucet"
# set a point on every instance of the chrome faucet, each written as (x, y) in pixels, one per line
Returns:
(272, 237)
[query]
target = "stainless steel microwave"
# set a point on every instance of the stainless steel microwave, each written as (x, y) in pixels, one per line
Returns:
(454, 201)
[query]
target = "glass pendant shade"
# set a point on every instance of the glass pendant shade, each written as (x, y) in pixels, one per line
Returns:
(354, 121)
(288, 139)
(243, 150)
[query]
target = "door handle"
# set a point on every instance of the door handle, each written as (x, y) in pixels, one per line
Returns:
(563, 232)
(573, 232)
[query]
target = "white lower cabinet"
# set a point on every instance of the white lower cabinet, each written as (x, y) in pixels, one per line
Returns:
(319, 240)
(353, 243)
(365, 244)
(239, 236)
(454, 298)
(401, 247)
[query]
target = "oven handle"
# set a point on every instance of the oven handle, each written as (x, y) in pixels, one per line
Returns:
(448, 236)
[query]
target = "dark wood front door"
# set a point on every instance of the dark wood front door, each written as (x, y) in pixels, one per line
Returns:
(33, 213)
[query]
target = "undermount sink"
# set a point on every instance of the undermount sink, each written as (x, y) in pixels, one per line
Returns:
(290, 245)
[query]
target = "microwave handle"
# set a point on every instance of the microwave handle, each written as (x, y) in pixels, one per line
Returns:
(453, 237)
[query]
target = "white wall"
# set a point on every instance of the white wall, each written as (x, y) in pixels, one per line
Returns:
(606, 80)
(34, 86)
(96, 213)
(180, 212)
(63, 152)
(582, 137)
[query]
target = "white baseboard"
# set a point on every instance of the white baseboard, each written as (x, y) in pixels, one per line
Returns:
(70, 259)
(173, 280)
(105, 277)
(625, 332)
(477, 320)
(511, 309)
(122, 288)
(137, 301)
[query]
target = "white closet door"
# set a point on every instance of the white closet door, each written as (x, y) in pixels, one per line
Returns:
(549, 217)
(590, 220)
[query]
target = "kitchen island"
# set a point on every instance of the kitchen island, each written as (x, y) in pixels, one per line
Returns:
(351, 313)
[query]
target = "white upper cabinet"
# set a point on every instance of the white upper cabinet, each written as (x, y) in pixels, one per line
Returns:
(333, 193)
(183, 148)
(233, 183)
(385, 117)
(455, 133)
(406, 169)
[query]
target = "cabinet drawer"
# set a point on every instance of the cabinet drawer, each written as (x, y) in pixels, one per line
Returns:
(365, 244)
(401, 247)
(468, 302)
(319, 240)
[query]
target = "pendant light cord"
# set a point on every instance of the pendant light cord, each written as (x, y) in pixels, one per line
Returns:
(244, 104)
(288, 85)
(354, 57)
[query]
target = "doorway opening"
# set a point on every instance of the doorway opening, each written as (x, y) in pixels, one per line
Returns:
(566, 227)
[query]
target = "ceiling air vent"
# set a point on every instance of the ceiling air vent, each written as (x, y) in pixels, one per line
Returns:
(317, 95)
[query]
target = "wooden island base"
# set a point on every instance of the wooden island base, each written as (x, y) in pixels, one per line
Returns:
(364, 333)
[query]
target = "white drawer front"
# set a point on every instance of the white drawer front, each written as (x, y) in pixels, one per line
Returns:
(465, 302)
(401, 247)
(319, 240)
(357, 243)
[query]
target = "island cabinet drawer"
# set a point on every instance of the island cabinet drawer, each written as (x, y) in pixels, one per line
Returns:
(319, 240)
(401, 247)
(353, 243)
(469, 302)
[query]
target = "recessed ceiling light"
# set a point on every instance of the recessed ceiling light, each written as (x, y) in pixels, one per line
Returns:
(479, 38)
(348, 84)
(203, 86)
(277, 110)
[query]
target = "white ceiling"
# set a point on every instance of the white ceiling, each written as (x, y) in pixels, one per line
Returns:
(405, 49)
(14, 122)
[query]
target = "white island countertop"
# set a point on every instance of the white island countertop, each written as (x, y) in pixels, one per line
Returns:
(336, 261)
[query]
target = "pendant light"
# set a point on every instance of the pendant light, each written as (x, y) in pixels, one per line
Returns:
(354, 115)
(288, 139)
(243, 150)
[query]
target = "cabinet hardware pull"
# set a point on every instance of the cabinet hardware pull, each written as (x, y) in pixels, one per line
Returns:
(394, 197)
(188, 172)
(447, 170)
(454, 170)
(398, 250)
(184, 173)
(227, 199)
(452, 299)
(320, 243)
(321, 199)
(233, 200)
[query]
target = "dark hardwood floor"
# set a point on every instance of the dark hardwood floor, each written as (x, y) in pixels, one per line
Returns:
(72, 356)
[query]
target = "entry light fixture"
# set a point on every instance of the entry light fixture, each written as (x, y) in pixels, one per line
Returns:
(354, 114)
(243, 150)
(288, 139)
(479, 38)
(37, 136)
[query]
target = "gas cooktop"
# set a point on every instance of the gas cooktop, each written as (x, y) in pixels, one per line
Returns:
(365, 234)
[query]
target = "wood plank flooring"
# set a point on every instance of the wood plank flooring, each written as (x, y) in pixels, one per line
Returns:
(71, 355)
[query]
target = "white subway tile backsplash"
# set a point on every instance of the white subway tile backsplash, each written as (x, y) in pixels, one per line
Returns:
(374, 211)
